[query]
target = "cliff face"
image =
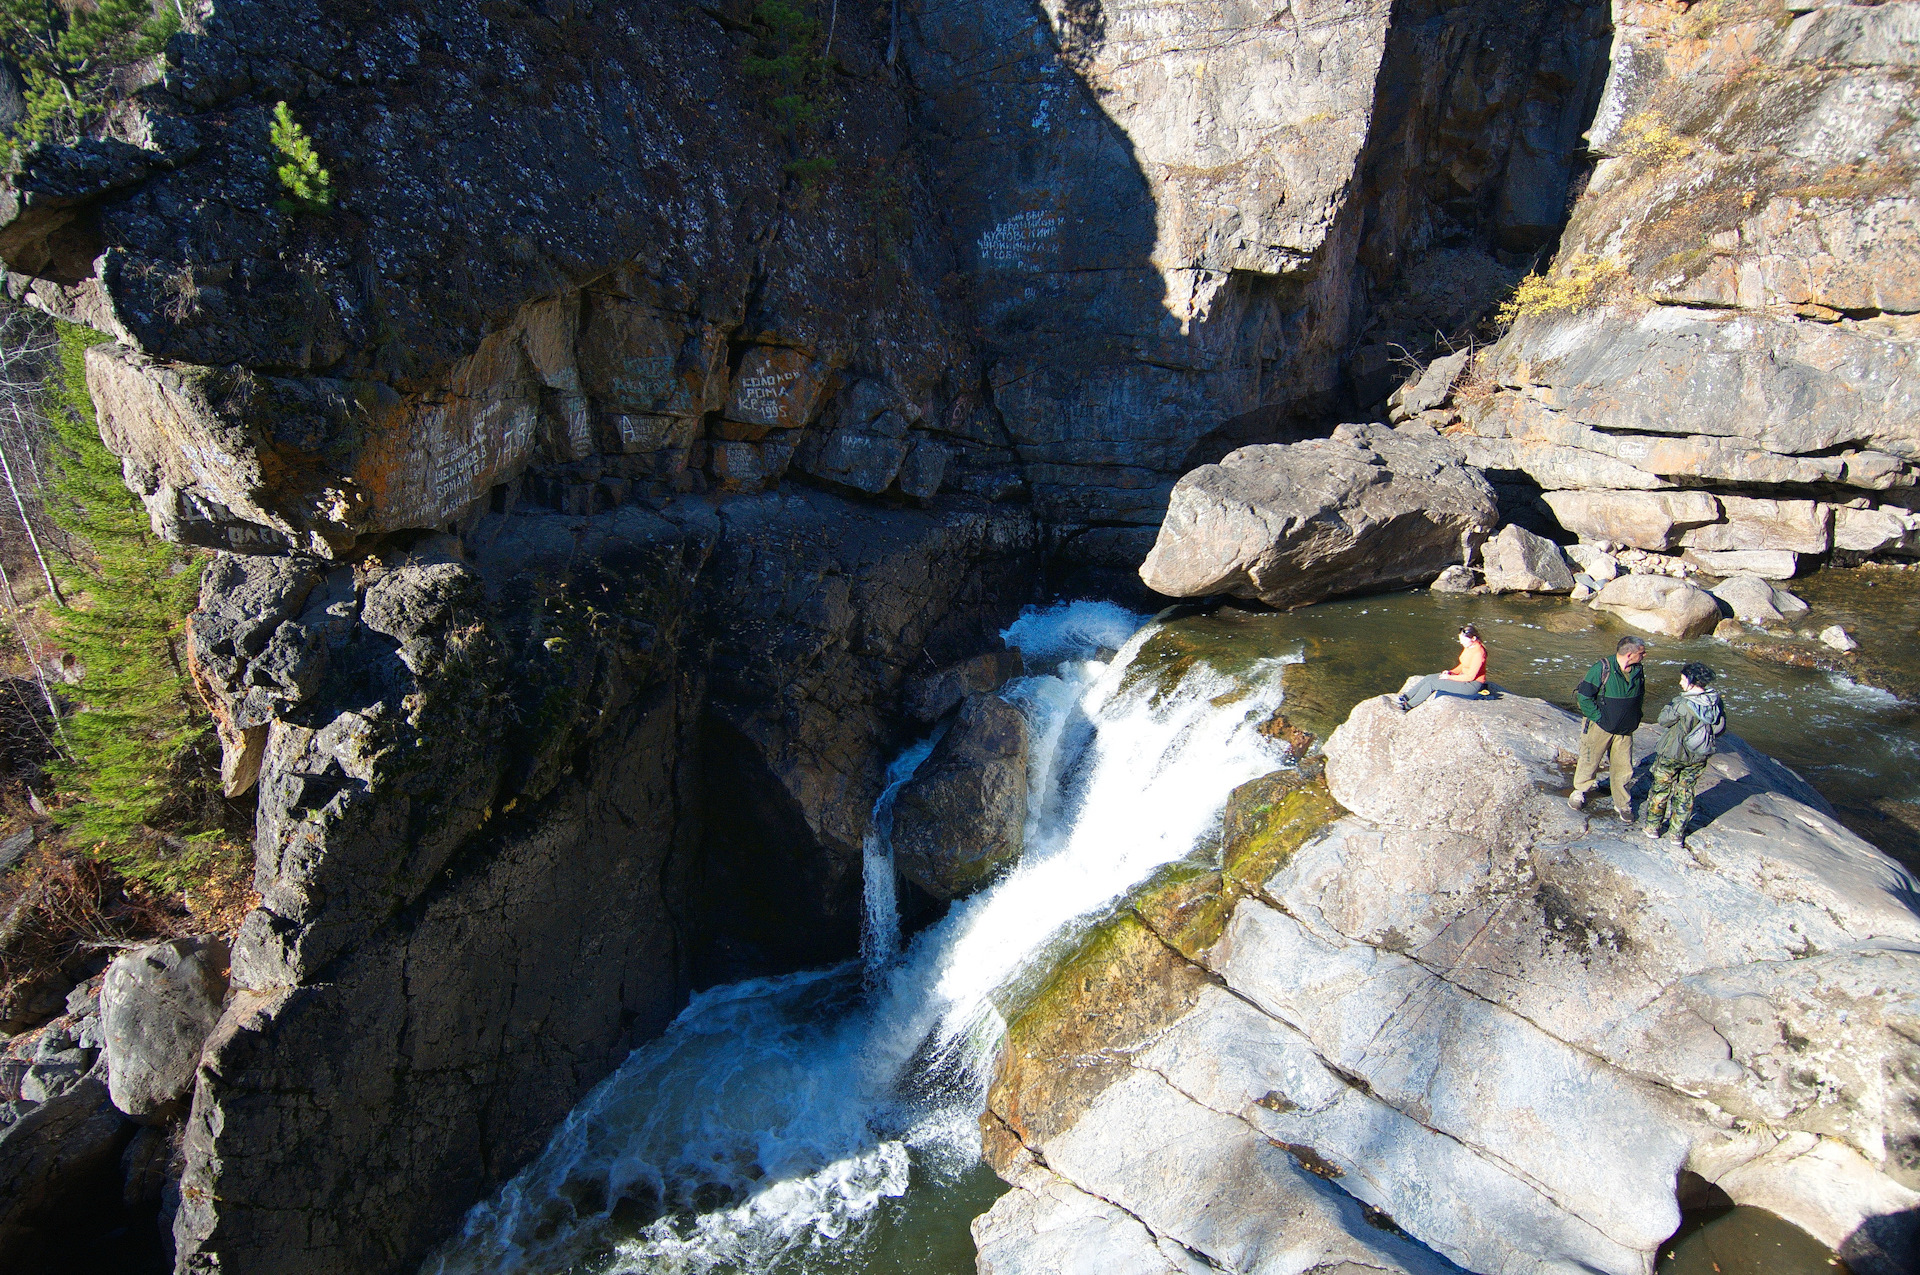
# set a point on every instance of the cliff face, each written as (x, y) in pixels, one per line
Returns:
(1733, 306)
(590, 477)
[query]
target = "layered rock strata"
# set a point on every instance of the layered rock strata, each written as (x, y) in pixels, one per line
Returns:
(1722, 359)
(1453, 1025)
(1210, 208)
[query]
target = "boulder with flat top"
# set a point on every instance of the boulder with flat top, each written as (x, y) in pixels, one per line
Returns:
(1367, 509)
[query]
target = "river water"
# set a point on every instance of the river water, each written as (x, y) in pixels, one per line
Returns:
(826, 1121)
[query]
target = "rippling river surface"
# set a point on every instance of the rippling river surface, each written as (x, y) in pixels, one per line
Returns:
(826, 1121)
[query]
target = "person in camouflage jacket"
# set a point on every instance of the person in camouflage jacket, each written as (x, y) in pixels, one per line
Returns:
(1694, 720)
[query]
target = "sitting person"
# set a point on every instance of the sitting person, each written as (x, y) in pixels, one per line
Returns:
(1468, 677)
(1694, 719)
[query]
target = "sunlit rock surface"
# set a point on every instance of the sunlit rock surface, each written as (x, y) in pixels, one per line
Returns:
(1506, 1026)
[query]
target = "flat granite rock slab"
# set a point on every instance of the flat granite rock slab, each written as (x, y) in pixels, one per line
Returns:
(1236, 1060)
(1216, 1186)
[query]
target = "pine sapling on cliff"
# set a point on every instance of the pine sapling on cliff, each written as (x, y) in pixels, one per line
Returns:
(309, 187)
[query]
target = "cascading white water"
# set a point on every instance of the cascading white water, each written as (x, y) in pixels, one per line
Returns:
(764, 1129)
(880, 895)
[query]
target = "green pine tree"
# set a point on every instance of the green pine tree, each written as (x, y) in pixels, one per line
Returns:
(137, 709)
(308, 186)
(70, 54)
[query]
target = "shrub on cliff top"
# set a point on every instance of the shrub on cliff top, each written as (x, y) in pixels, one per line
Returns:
(72, 57)
(137, 712)
(1582, 284)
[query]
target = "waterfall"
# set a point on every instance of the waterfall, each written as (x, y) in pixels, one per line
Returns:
(774, 1117)
(880, 922)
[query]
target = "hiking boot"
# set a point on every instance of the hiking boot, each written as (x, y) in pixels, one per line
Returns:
(1653, 832)
(1678, 841)
(1400, 702)
(1626, 815)
(1578, 801)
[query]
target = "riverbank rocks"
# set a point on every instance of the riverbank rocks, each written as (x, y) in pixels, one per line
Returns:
(1652, 520)
(1367, 509)
(1504, 1027)
(158, 1005)
(1660, 604)
(1517, 561)
(1769, 564)
(962, 817)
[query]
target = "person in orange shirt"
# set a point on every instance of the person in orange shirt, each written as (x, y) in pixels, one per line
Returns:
(1467, 678)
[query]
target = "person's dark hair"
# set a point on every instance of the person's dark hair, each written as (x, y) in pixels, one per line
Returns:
(1629, 641)
(1468, 631)
(1697, 673)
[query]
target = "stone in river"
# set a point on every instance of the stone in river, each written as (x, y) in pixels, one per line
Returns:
(1751, 599)
(1455, 579)
(961, 819)
(1367, 509)
(1838, 638)
(1593, 562)
(1660, 604)
(1518, 561)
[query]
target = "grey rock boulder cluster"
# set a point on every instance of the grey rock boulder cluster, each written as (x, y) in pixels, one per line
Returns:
(1506, 1028)
(1722, 365)
(101, 1087)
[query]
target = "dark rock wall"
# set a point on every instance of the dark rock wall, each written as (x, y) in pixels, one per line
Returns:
(541, 788)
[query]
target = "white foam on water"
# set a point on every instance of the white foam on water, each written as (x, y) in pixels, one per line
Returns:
(774, 1116)
(1047, 635)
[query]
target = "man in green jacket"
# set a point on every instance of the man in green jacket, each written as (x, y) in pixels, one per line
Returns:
(1610, 697)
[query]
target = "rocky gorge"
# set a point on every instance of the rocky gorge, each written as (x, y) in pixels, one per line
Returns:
(620, 475)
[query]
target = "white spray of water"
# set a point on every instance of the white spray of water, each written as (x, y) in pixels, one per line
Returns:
(774, 1116)
(880, 924)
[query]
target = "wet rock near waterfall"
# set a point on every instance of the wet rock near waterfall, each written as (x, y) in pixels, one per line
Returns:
(1660, 604)
(932, 697)
(1517, 561)
(1574, 980)
(1369, 508)
(158, 1005)
(961, 819)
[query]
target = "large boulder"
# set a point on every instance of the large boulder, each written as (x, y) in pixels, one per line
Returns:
(1517, 561)
(962, 817)
(1660, 604)
(1368, 508)
(1750, 598)
(160, 1003)
(1769, 564)
(1506, 1027)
